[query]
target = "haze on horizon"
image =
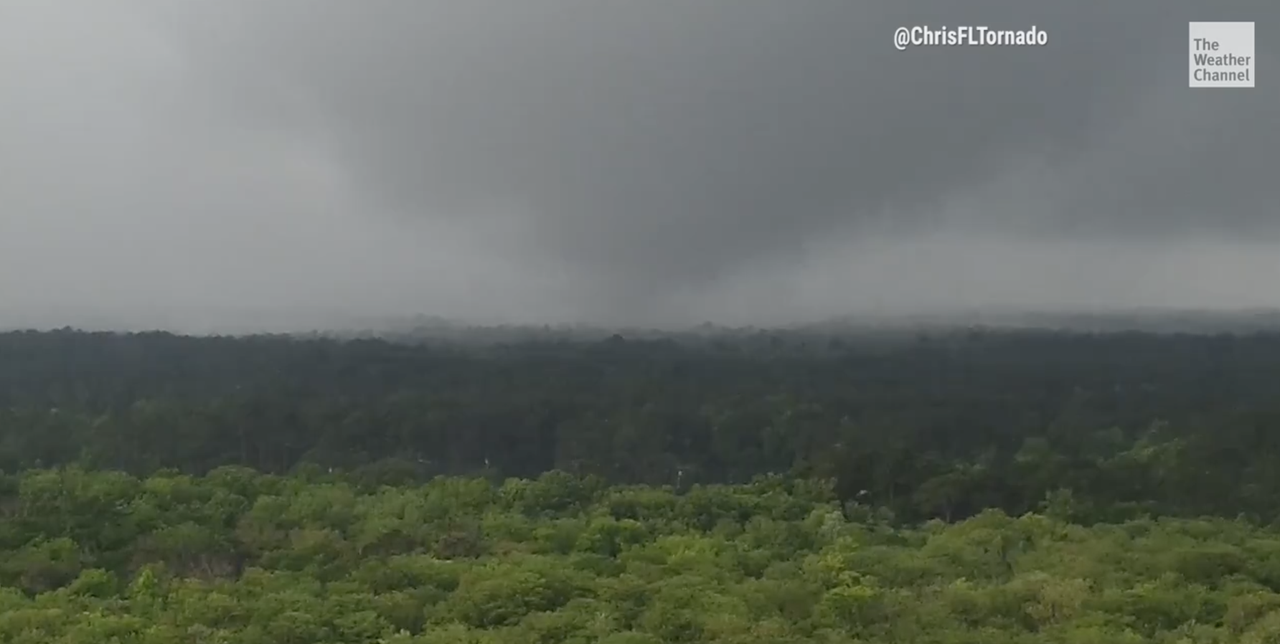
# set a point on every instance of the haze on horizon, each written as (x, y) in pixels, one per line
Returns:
(306, 163)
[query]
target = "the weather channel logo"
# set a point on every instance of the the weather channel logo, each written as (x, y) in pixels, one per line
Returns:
(1222, 54)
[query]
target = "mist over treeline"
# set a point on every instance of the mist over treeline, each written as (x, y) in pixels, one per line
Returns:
(856, 329)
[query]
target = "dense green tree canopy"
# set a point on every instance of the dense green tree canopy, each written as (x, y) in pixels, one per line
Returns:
(246, 558)
(932, 426)
(769, 487)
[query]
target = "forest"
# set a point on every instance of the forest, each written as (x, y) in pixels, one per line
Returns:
(966, 485)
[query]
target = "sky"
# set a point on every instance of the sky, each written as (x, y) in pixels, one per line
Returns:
(269, 164)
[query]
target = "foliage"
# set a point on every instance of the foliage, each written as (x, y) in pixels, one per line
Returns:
(247, 558)
(967, 487)
(1099, 427)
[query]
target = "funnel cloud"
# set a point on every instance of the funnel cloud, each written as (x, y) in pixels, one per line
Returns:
(304, 163)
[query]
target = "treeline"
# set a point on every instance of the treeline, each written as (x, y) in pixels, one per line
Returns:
(238, 557)
(1107, 426)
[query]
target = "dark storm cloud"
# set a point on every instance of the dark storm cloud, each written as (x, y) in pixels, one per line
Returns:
(670, 140)
(632, 159)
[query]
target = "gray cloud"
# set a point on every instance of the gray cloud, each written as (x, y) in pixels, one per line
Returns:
(668, 160)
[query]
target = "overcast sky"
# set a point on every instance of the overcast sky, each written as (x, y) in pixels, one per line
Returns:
(192, 163)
